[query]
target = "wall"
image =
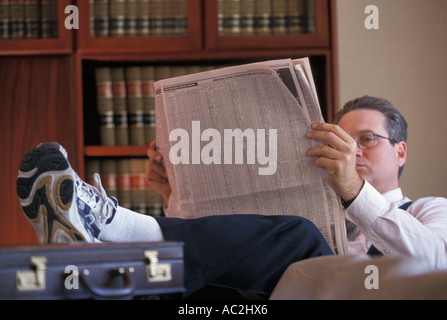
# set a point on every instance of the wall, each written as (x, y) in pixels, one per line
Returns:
(404, 61)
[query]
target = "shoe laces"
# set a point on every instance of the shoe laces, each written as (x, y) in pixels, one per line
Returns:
(102, 207)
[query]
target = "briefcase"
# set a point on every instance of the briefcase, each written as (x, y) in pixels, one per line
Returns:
(90, 271)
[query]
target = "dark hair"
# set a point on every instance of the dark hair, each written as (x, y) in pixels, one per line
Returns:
(395, 125)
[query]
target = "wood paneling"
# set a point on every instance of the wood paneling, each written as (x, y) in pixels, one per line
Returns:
(37, 97)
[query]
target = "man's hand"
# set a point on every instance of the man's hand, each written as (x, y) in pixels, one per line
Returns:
(338, 156)
(156, 175)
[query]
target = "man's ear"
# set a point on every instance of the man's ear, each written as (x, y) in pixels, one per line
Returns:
(401, 152)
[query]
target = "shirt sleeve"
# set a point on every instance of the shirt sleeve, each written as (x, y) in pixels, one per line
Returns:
(420, 231)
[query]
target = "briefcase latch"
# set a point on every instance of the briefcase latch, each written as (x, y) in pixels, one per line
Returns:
(34, 279)
(156, 272)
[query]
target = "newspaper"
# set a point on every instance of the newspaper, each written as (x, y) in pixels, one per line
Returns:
(234, 142)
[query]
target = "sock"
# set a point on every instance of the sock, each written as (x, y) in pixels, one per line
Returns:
(131, 226)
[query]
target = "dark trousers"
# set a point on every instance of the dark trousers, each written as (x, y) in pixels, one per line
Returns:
(242, 252)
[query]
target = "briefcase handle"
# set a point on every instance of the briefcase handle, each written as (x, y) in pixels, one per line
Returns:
(125, 291)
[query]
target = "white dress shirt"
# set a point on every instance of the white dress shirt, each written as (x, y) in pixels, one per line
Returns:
(419, 231)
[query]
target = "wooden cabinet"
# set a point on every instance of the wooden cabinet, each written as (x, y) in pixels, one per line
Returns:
(57, 39)
(73, 56)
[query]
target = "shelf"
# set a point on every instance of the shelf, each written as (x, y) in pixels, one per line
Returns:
(115, 151)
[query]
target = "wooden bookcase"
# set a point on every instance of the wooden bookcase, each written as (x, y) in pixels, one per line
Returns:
(77, 54)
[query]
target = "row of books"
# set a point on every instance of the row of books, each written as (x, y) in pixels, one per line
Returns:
(138, 18)
(265, 17)
(28, 19)
(126, 101)
(123, 178)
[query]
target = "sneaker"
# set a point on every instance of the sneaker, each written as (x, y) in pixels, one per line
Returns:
(45, 187)
(94, 206)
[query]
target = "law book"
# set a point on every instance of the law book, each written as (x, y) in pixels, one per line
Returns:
(148, 79)
(32, 19)
(117, 14)
(157, 17)
(181, 18)
(143, 18)
(263, 17)
(49, 19)
(279, 16)
(220, 17)
(92, 166)
(120, 106)
(310, 16)
(248, 10)
(124, 182)
(232, 17)
(91, 4)
(4, 19)
(162, 72)
(130, 21)
(101, 18)
(169, 10)
(154, 202)
(296, 14)
(109, 177)
(104, 94)
(17, 16)
(135, 105)
(138, 185)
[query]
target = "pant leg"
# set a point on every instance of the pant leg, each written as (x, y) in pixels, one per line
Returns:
(242, 252)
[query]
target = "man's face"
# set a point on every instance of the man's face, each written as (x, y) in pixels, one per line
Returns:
(380, 164)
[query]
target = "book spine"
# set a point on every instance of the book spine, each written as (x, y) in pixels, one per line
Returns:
(120, 106)
(148, 79)
(232, 17)
(109, 178)
(143, 18)
(138, 185)
(220, 17)
(162, 72)
(248, 9)
(157, 17)
(295, 16)
(279, 16)
(117, 13)
(17, 16)
(49, 19)
(135, 105)
(91, 4)
(4, 19)
(130, 25)
(310, 16)
(92, 166)
(32, 19)
(105, 106)
(101, 18)
(181, 18)
(263, 17)
(169, 9)
(154, 202)
(124, 183)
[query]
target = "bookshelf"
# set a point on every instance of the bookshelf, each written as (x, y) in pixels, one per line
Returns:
(49, 34)
(199, 42)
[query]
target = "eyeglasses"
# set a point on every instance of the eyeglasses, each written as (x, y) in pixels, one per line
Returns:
(367, 139)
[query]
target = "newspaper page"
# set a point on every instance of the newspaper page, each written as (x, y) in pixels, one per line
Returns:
(234, 142)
